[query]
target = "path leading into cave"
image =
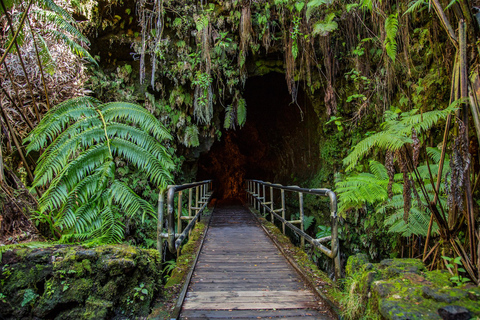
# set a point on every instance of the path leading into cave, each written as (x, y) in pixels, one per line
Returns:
(241, 274)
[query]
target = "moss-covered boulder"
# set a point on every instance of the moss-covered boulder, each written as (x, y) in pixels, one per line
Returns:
(73, 282)
(404, 289)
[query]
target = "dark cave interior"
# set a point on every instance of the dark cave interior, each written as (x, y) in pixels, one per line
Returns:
(276, 144)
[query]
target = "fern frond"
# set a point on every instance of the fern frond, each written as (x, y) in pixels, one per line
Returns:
(52, 6)
(61, 23)
(129, 112)
(241, 112)
(57, 119)
(191, 136)
(414, 6)
(379, 170)
(229, 118)
(129, 201)
(391, 28)
(156, 170)
(76, 48)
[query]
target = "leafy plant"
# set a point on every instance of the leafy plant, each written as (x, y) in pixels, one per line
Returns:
(456, 263)
(84, 199)
(397, 131)
(391, 28)
(324, 231)
(29, 297)
(140, 292)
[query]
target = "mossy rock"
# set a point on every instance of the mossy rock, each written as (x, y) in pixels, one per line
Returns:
(73, 282)
(354, 263)
(404, 289)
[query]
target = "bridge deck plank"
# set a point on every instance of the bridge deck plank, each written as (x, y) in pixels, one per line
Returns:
(240, 274)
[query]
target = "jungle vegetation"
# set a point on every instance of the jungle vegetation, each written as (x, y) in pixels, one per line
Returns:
(394, 83)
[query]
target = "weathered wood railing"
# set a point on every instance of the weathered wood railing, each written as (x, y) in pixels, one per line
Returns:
(257, 196)
(203, 194)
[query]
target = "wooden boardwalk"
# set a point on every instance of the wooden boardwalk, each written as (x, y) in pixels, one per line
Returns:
(241, 274)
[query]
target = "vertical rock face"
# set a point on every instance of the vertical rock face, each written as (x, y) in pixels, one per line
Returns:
(404, 289)
(73, 282)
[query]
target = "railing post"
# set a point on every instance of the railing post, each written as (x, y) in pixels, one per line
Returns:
(302, 213)
(179, 215)
(336, 246)
(196, 196)
(161, 197)
(189, 207)
(264, 199)
(171, 221)
(254, 195)
(271, 204)
(190, 202)
(283, 210)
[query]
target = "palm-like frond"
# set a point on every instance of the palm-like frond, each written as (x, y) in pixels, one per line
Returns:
(397, 131)
(74, 47)
(61, 24)
(83, 136)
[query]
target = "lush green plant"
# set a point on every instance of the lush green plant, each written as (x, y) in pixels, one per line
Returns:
(397, 132)
(456, 264)
(29, 297)
(86, 139)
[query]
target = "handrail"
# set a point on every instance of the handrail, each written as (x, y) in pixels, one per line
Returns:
(258, 199)
(203, 196)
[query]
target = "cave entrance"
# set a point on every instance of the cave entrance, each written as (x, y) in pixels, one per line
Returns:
(277, 143)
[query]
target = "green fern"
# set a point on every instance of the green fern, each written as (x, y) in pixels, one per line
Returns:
(241, 112)
(415, 6)
(326, 26)
(191, 136)
(397, 131)
(65, 30)
(83, 140)
(391, 28)
(354, 191)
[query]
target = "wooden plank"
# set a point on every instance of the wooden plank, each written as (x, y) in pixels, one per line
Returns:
(202, 305)
(248, 314)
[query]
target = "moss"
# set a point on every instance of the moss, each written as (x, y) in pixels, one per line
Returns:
(355, 262)
(403, 289)
(71, 282)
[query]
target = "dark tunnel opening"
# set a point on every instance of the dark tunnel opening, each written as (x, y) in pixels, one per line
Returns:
(278, 142)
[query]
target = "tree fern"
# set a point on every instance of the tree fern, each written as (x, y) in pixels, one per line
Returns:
(356, 190)
(83, 137)
(397, 131)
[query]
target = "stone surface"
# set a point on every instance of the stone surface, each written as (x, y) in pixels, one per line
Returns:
(404, 289)
(454, 313)
(73, 282)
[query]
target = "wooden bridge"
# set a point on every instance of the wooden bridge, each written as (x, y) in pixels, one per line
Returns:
(240, 273)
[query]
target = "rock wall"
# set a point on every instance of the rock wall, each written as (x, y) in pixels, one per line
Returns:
(404, 289)
(74, 282)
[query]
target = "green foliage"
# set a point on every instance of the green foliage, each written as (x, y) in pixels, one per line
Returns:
(191, 136)
(356, 190)
(323, 231)
(391, 28)
(396, 132)
(326, 26)
(84, 199)
(64, 30)
(456, 263)
(29, 297)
